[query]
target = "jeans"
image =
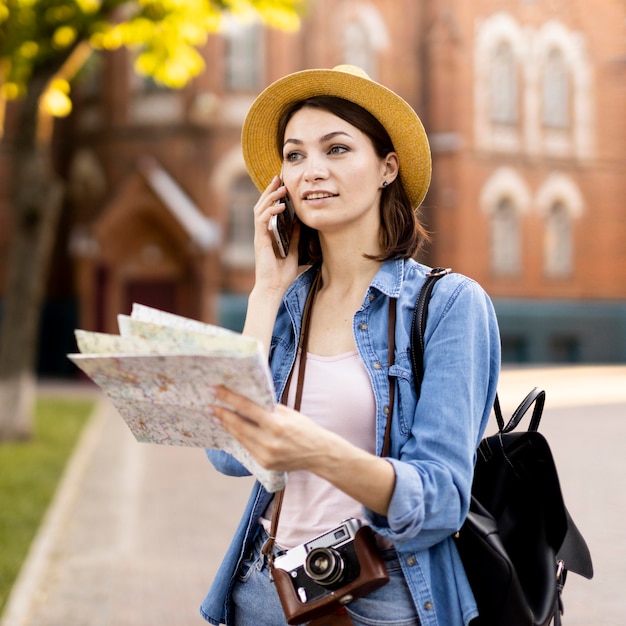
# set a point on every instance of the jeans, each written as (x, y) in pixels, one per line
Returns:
(256, 603)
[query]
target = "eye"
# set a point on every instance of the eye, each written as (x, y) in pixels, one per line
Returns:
(338, 149)
(292, 156)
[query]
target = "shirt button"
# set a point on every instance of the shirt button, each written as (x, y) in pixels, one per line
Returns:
(377, 365)
(428, 606)
(411, 561)
(362, 326)
(372, 297)
(386, 409)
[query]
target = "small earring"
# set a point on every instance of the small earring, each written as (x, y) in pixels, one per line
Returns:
(385, 183)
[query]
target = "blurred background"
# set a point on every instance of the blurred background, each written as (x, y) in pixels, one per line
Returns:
(122, 180)
(523, 102)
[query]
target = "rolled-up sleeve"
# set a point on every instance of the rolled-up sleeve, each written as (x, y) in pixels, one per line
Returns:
(226, 464)
(434, 464)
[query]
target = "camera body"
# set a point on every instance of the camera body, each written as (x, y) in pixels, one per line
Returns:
(319, 576)
(324, 564)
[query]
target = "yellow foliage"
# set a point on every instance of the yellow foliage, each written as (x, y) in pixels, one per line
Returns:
(89, 6)
(281, 15)
(111, 39)
(165, 33)
(173, 69)
(56, 100)
(281, 19)
(11, 90)
(64, 36)
(29, 49)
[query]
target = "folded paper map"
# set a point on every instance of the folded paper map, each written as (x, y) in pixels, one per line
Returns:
(158, 373)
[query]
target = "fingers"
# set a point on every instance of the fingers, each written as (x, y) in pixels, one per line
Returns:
(267, 203)
(239, 415)
(248, 423)
(272, 272)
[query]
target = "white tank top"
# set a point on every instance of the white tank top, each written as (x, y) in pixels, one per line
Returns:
(337, 394)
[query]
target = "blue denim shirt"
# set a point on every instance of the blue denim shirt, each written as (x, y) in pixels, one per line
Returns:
(433, 440)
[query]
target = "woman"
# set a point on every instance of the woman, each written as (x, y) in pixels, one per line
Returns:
(355, 161)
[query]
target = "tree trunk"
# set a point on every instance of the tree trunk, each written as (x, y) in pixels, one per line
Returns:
(36, 203)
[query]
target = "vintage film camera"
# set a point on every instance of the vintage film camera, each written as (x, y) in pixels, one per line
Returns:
(329, 571)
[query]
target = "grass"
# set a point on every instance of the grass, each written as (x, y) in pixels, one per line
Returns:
(29, 474)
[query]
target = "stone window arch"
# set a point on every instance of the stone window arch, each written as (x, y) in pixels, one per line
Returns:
(561, 120)
(560, 204)
(500, 51)
(505, 199)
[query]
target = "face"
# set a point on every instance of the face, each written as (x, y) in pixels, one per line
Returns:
(332, 172)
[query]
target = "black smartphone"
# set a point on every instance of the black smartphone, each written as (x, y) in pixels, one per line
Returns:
(281, 226)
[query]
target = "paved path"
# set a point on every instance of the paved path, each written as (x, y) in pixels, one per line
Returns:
(136, 531)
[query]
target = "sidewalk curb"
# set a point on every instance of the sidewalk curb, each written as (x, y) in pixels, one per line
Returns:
(28, 582)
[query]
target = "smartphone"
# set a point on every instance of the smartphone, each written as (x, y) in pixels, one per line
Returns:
(281, 226)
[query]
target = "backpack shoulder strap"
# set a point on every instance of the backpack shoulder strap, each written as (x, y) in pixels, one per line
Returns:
(418, 324)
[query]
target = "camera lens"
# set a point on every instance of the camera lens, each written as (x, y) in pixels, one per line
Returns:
(325, 566)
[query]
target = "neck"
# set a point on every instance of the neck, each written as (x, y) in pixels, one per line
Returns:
(343, 272)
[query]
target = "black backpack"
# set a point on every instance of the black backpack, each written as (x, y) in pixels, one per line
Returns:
(518, 541)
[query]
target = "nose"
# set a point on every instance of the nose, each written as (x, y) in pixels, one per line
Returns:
(315, 169)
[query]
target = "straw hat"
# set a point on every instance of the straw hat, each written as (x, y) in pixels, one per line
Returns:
(351, 83)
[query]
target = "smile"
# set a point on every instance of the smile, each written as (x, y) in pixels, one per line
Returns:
(319, 196)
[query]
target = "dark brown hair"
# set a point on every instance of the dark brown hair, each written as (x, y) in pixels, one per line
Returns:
(401, 233)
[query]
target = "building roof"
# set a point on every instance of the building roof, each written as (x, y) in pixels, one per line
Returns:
(205, 232)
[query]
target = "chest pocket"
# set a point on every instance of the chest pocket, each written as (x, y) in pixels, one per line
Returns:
(404, 411)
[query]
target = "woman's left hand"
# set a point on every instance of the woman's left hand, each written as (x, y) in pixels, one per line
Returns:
(285, 440)
(281, 440)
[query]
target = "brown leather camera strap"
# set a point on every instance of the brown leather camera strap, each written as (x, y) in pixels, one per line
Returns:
(268, 546)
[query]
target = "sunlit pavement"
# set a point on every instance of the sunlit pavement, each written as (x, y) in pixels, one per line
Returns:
(136, 531)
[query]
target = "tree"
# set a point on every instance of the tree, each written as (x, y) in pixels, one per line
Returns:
(43, 43)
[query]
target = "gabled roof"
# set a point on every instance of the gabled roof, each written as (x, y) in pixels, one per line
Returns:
(205, 232)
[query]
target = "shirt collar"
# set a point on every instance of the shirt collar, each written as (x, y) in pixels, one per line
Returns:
(389, 277)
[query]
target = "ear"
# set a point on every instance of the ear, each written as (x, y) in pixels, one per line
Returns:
(390, 167)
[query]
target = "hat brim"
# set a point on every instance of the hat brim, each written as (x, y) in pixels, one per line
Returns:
(258, 139)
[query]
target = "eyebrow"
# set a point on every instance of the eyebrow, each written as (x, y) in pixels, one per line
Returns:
(322, 139)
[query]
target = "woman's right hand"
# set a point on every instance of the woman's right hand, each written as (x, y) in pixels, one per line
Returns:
(273, 274)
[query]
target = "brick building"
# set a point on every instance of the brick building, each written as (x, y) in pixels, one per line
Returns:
(523, 102)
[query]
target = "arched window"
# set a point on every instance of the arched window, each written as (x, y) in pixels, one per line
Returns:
(239, 249)
(362, 34)
(505, 199)
(503, 85)
(556, 91)
(358, 49)
(560, 203)
(501, 54)
(562, 92)
(505, 239)
(244, 56)
(558, 247)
